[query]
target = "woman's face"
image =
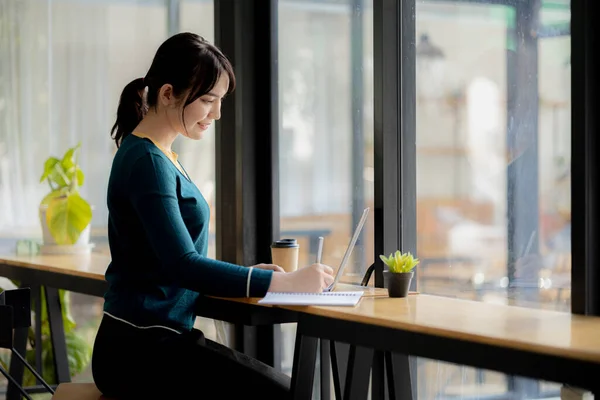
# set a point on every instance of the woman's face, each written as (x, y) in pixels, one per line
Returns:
(199, 115)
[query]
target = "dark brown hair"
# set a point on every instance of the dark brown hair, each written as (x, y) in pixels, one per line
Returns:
(187, 62)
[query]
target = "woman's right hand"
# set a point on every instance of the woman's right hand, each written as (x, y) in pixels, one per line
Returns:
(311, 279)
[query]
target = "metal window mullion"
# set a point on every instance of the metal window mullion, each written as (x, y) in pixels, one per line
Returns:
(395, 159)
(585, 168)
(247, 215)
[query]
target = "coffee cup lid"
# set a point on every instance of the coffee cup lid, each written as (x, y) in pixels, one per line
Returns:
(285, 243)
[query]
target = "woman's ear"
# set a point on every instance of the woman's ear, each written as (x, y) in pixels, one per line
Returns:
(165, 95)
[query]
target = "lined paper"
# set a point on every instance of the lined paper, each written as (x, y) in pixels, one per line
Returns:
(312, 299)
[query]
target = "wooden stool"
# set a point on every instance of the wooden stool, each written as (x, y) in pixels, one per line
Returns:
(78, 391)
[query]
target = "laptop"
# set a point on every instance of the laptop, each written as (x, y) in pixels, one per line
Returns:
(348, 252)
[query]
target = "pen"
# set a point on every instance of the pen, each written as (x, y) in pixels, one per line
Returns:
(320, 250)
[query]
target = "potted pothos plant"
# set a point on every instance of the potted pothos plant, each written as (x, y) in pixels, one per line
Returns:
(64, 214)
(399, 273)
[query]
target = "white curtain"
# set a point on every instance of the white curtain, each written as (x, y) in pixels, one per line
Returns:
(23, 106)
(53, 94)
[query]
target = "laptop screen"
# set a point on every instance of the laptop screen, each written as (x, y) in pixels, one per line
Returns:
(348, 252)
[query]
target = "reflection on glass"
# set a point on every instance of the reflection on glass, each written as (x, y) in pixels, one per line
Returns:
(326, 133)
(493, 167)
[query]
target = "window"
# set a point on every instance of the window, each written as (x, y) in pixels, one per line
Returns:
(63, 65)
(326, 133)
(493, 153)
(493, 166)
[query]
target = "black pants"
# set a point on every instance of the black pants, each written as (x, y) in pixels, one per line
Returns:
(155, 363)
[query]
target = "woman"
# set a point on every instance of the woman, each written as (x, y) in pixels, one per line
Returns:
(146, 346)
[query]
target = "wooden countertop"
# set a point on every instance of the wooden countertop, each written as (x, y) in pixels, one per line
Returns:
(547, 332)
(84, 265)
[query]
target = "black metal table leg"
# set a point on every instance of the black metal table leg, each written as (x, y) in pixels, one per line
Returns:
(16, 305)
(335, 366)
(57, 335)
(357, 377)
(390, 372)
(325, 370)
(16, 368)
(378, 376)
(303, 371)
(36, 294)
(399, 380)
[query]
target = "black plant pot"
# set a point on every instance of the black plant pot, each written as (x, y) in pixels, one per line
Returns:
(397, 284)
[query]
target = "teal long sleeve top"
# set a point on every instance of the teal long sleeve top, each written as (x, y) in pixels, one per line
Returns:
(158, 239)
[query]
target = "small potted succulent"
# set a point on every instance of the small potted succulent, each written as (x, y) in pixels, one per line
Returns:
(399, 273)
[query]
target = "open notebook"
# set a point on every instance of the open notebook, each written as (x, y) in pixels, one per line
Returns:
(312, 299)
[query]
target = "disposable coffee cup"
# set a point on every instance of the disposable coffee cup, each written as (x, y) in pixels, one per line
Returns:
(284, 253)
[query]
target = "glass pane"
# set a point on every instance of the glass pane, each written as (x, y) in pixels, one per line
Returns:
(493, 167)
(326, 132)
(493, 155)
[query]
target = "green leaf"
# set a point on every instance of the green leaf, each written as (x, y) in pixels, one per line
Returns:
(400, 262)
(54, 194)
(69, 165)
(65, 301)
(67, 217)
(68, 160)
(78, 351)
(385, 259)
(58, 175)
(49, 166)
(80, 176)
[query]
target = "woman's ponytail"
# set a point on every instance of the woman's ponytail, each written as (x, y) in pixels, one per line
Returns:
(131, 110)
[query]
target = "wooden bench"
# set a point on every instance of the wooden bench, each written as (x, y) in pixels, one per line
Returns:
(78, 391)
